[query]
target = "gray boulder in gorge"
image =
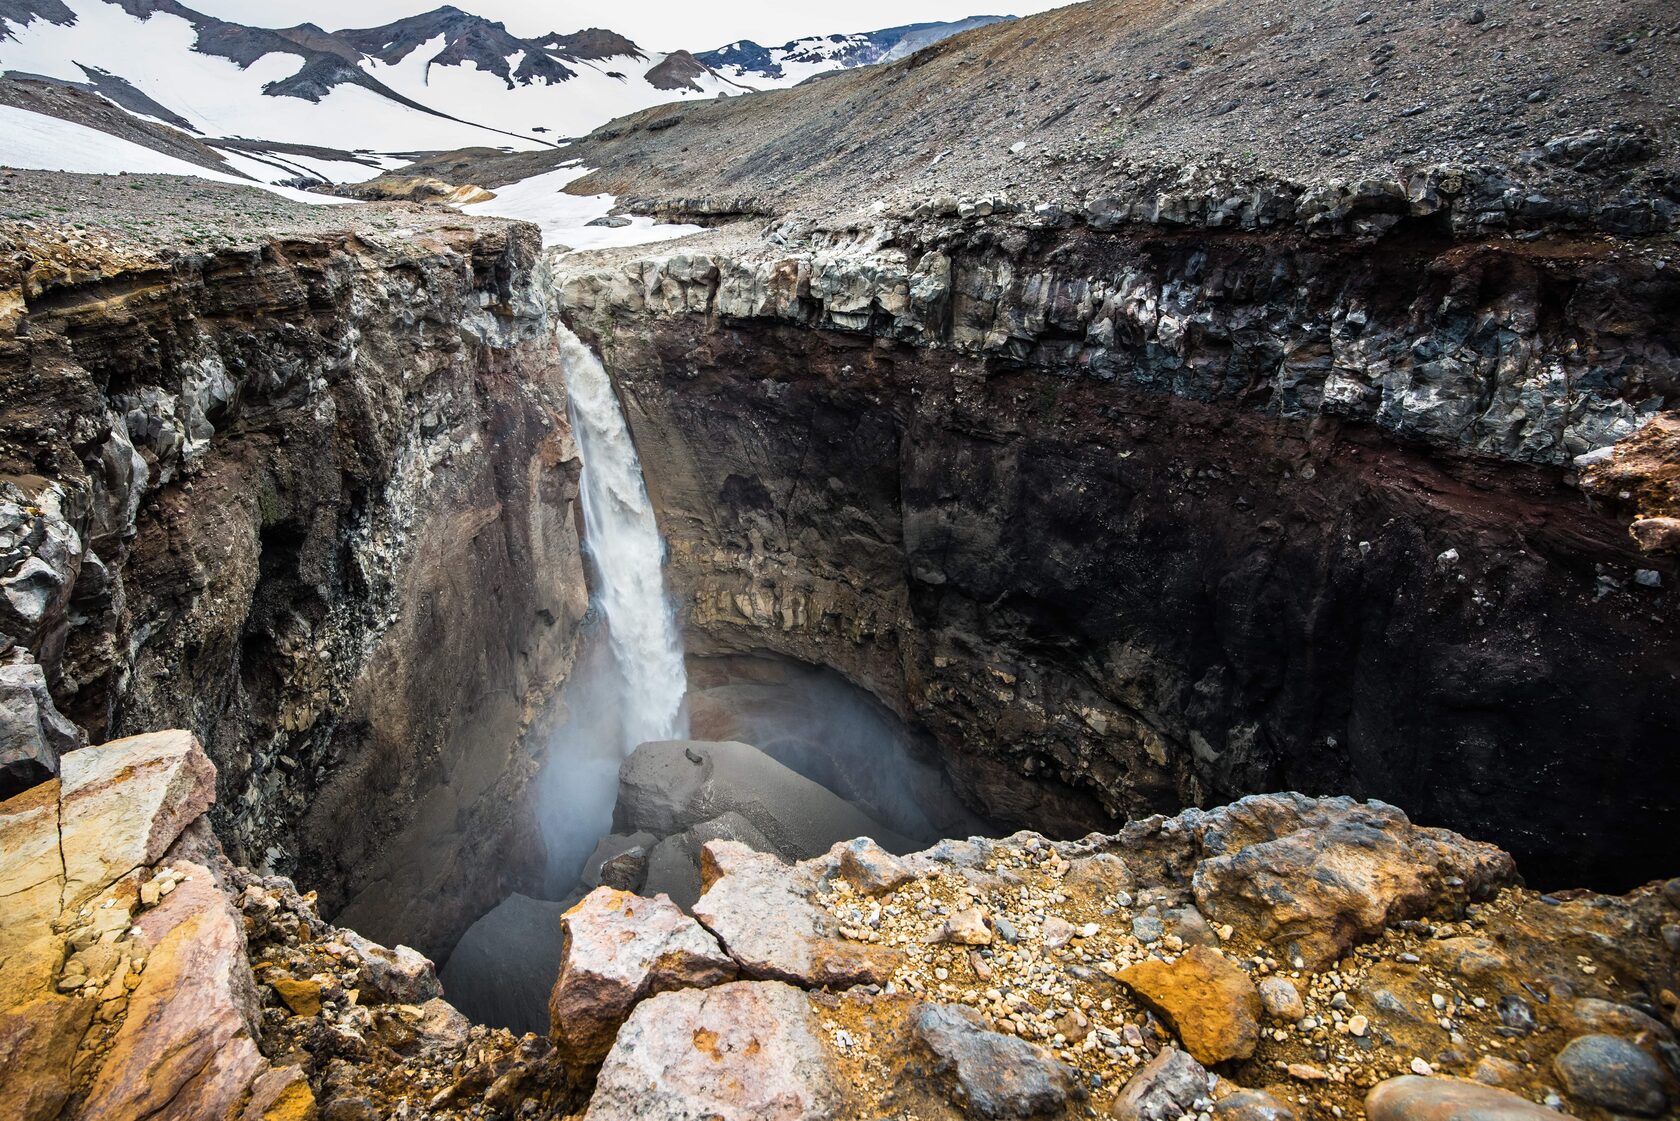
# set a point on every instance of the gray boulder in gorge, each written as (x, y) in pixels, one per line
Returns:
(670, 786)
(505, 964)
(744, 1051)
(673, 865)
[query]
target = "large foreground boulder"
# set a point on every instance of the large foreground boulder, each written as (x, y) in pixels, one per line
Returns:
(763, 913)
(738, 1052)
(619, 949)
(119, 951)
(1316, 876)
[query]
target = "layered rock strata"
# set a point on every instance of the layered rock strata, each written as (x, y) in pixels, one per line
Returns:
(310, 496)
(1135, 517)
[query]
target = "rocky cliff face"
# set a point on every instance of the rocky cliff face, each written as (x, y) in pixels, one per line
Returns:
(1142, 512)
(309, 496)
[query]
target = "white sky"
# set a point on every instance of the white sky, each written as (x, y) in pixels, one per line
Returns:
(696, 25)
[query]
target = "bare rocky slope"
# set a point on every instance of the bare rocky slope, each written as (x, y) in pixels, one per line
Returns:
(1075, 103)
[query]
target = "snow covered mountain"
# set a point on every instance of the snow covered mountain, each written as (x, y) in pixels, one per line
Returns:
(301, 104)
(791, 63)
(260, 97)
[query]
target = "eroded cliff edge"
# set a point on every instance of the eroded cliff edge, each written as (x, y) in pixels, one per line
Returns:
(1165, 505)
(305, 487)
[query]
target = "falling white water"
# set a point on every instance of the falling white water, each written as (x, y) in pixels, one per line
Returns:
(623, 541)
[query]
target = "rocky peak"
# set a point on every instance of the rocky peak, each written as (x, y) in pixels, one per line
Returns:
(487, 44)
(677, 70)
(592, 43)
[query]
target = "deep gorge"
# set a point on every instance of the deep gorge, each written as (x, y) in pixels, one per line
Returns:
(1110, 569)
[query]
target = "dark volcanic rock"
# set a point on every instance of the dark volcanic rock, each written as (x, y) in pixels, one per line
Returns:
(1132, 520)
(318, 492)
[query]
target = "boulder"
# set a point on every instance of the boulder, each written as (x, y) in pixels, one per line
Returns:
(187, 1047)
(1314, 876)
(761, 910)
(1169, 1086)
(1414, 1098)
(32, 733)
(504, 967)
(1210, 1003)
(620, 949)
(125, 802)
(609, 848)
(1282, 999)
(737, 1052)
(397, 976)
(1613, 1074)
(988, 1074)
(663, 790)
(870, 868)
(673, 865)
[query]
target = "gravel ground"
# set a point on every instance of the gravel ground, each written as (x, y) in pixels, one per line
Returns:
(159, 212)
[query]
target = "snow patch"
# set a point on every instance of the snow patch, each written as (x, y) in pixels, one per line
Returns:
(565, 218)
(35, 140)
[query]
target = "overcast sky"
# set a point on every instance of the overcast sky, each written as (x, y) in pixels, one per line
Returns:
(696, 25)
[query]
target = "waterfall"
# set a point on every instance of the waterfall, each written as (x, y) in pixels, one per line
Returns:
(623, 542)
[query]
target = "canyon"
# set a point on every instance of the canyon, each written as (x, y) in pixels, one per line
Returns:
(1165, 636)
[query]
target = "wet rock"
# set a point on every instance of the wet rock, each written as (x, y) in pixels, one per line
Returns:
(620, 949)
(32, 733)
(663, 791)
(988, 1074)
(504, 967)
(1612, 1073)
(766, 921)
(627, 871)
(1169, 1086)
(1282, 999)
(610, 846)
(738, 1052)
(1414, 1098)
(1210, 1003)
(1315, 877)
